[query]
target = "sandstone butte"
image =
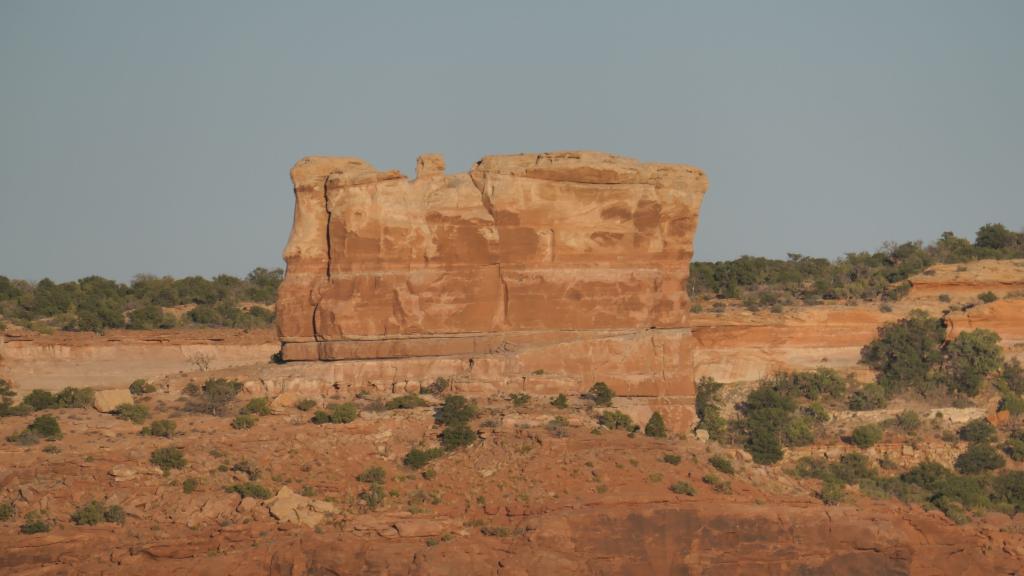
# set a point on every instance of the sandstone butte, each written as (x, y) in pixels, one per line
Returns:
(542, 273)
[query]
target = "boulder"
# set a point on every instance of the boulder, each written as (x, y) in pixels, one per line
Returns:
(107, 401)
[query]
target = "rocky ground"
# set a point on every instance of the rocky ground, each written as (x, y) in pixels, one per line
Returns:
(532, 495)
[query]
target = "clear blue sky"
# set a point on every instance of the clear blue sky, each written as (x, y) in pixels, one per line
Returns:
(156, 137)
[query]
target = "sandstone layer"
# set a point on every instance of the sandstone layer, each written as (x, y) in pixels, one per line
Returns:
(567, 267)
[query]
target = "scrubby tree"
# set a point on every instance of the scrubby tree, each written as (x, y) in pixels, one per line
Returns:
(970, 358)
(907, 353)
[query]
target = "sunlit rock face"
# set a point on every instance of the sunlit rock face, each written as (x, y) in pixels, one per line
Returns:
(542, 272)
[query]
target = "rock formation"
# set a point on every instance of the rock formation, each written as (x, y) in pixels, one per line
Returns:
(537, 272)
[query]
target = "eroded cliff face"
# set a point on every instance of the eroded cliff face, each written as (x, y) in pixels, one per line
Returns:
(566, 267)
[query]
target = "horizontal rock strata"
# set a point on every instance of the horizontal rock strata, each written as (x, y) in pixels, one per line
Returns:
(566, 267)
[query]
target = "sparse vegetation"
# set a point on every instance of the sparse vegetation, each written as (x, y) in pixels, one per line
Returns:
(45, 427)
(257, 407)
(519, 399)
(250, 490)
(244, 421)
(374, 474)
(95, 512)
(673, 459)
(418, 458)
(866, 436)
(405, 402)
(600, 394)
(134, 413)
(161, 428)
(655, 426)
(216, 394)
(455, 410)
(306, 404)
(722, 464)
(141, 387)
(977, 430)
(615, 420)
(168, 458)
(683, 488)
(561, 402)
(336, 414)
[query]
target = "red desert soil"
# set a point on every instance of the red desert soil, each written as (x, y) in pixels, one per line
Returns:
(527, 498)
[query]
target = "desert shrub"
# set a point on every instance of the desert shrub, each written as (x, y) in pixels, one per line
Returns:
(35, 523)
(1014, 448)
(988, 297)
(40, 400)
(75, 397)
(374, 474)
(244, 421)
(1008, 487)
(135, 413)
(851, 468)
(866, 436)
(977, 430)
(928, 475)
(456, 409)
(1011, 401)
(405, 402)
(970, 358)
(457, 435)
(140, 387)
(831, 492)
(561, 402)
(673, 459)
(190, 485)
(717, 484)
(709, 410)
(248, 468)
(519, 398)
(306, 404)
(821, 383)
(418, 458)
(216, 394)
(162, 428)
(816, 412)
(336, 414)
(250, 490)
(257, 406)
(682, 487)
(908, 421)
(46, 426)
(722, 464)
(766, 413)
(655, 426)
(600, 394)
(945, 298)
(373, 496)
(798, 431)
(870, 397)
(7, 395)
(558, 427)
(7, 511)
(1013, 375)
(907, 352)
(979, 457)
(168, 458)
(43, 427)
(438, 386)
(615, 420)
(95, 512)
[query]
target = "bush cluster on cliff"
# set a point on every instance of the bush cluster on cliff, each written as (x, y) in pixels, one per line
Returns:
(96, 304)
(765, 282)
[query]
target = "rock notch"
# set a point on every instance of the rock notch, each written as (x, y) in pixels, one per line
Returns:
(538, 272)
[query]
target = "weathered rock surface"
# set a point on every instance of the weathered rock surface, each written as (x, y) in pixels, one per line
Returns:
(570, 264)
(108, 400)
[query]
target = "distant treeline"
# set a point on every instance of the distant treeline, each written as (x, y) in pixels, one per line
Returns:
(856, 276)
(96, 304)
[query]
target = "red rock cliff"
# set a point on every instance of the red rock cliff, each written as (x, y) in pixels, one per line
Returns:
(533, 271)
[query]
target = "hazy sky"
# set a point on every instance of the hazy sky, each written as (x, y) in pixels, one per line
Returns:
(156, 137)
